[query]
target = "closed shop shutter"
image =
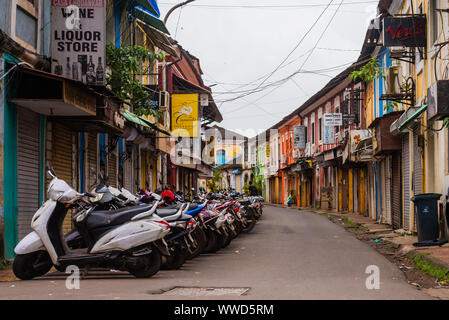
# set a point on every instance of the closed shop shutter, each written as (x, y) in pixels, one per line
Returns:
(417, 167)
(62, 160)
(112, 167)
(396, 192)
(406, 181)
(387, 164)
(28, 165)
(92, 156)
(128, 170)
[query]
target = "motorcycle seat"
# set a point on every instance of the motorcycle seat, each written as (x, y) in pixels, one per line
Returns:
(184, 217)
(164, 212)
(192, 206)
(103, 218)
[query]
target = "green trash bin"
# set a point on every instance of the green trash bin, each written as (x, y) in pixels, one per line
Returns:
(426, 210)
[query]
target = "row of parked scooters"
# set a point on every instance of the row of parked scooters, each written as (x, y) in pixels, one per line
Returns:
(139, 233)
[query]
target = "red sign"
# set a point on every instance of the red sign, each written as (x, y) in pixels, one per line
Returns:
(404, 32)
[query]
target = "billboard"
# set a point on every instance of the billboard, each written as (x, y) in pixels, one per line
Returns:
(184, 115)
(78, 44)
(333, 119)
(299, 137)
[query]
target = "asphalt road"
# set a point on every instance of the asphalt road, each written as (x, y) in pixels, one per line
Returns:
(288, 255)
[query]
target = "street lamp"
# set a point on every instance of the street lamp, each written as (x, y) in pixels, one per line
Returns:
(174, 8)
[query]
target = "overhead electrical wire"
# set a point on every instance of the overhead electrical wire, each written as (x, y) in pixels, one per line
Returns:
(293, 6)
(304, 62)
(296, 46)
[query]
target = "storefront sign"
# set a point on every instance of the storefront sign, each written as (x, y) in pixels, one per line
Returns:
(404, 32)
(299, 137)
(77, 96)
(329, 135)
(333, 119)
(79, 40)
(184, 115)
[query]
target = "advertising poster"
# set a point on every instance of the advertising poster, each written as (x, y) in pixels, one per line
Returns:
(184, 115)
(299, 137)
(79, 40)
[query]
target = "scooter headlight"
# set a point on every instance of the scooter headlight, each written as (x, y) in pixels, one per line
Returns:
(55, 195)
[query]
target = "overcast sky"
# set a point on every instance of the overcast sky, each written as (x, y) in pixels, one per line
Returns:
(242, 41)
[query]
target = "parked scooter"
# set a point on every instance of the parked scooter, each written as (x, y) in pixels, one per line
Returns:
(127, 239)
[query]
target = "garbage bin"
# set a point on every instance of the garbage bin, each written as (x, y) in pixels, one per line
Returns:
(426, 210)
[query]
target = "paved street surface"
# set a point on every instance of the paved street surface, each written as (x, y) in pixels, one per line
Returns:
(289, 255)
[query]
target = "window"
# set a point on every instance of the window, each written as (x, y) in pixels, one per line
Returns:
(26, 27)
(320, 128)
(313, 133)
(27, 23)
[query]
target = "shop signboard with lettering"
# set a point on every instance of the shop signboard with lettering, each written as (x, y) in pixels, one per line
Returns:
(404, 31)
(79, 40)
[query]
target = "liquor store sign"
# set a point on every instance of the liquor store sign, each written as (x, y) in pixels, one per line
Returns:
(79, 40)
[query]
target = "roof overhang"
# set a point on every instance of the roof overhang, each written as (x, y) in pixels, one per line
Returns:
(406, 119)
(52, 95)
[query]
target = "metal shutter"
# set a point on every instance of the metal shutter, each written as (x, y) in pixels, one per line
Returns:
(417, 167)
(28, 165)
(62, 160)
(396, 192)
(387, 166)
(128, 173)
(112, 167)
(406, 181)
(92, 156)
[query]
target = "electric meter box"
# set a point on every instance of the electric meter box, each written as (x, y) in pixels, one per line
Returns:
(438, 100)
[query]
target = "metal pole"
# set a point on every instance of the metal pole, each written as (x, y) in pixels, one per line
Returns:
(174, 8)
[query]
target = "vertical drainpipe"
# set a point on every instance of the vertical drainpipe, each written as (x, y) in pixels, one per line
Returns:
(10, 175)
(42, 173)
(81, 160)
(376, 188)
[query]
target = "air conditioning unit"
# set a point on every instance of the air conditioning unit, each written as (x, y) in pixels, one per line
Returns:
(164, 100)
(392, 80)
(438, 100)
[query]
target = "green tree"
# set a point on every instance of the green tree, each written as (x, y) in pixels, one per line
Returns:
(124, 65)
(214, 184)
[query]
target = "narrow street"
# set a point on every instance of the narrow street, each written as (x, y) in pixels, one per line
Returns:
(289, 255)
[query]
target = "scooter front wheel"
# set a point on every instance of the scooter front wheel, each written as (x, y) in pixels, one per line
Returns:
(148, 266)
(31, 265)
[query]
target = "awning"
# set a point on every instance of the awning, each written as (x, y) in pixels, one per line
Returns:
(142, 122)
(302, 165)
(407, 118)
(159, 39)
(149, 5)
(143, 15)
(52, 95)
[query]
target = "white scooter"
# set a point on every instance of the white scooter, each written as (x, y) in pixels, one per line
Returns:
(127, 239)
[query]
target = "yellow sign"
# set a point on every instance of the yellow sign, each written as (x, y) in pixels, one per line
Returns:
(184, 115)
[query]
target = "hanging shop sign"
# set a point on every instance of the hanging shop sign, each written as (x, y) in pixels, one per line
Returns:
(185, 115)
(404, 31)
(79, 40)
(299, 137)
(329, 135)
(333, 119)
